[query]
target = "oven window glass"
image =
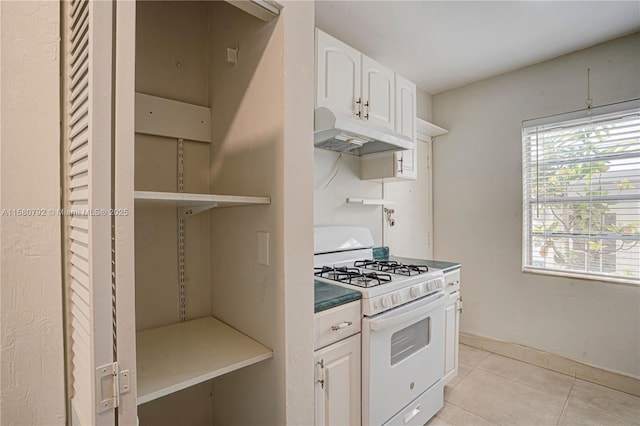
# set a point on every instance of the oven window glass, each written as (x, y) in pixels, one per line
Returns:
(409, 340)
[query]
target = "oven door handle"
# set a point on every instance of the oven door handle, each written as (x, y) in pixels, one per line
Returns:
(394, 318)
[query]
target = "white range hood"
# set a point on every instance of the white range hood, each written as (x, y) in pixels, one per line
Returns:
(337, 132)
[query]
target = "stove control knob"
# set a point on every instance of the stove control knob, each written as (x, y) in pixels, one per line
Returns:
(397, 299)
(415, 292)
(385, 302)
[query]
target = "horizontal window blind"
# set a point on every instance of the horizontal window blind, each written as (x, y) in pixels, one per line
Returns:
(581, 193)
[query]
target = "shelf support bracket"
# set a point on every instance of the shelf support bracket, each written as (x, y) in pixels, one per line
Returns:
(184, 212)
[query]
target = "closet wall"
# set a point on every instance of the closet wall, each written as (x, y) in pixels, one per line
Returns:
(171, 62)
(246, 158)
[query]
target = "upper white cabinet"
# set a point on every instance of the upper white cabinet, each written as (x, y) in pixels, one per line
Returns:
(377, 94)
(350, 83)
(354, 85)
(338, 75)
(400, 165)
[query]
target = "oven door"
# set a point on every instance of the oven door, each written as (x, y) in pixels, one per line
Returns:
(402, 356)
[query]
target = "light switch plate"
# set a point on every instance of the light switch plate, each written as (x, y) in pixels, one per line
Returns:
(232, 55)
(263, 248)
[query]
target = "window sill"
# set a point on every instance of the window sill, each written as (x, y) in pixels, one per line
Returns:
(573, 275)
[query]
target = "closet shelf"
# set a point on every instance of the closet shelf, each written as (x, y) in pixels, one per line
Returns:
(370, 201)
(177, 356)
(196, 203)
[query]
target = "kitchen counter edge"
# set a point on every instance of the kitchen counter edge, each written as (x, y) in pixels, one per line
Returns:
(327, 296)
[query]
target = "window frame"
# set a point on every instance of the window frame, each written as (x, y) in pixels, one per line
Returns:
(528, 234)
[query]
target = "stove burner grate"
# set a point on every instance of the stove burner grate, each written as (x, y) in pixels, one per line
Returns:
(353, 276)
(391, 266)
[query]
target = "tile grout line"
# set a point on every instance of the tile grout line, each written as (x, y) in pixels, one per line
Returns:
(473, 368)
(610, 413)
(566, 403)
(512, 381)
(470, 412)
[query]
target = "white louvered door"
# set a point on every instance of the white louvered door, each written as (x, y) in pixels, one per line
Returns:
(89, 225)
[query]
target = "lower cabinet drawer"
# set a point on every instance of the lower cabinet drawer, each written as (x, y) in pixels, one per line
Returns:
(452, 281)
(336, 324)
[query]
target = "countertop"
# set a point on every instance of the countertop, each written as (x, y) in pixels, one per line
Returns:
(382, 253)
(329, 296)
(436, 264)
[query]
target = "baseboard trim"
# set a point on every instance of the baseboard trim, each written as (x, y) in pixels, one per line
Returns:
(554, 362)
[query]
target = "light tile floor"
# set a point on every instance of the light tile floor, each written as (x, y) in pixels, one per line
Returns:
(493, 390)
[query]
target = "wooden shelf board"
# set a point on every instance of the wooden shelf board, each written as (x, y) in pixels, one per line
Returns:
(177, 356)
(429, 129)
(179, 199)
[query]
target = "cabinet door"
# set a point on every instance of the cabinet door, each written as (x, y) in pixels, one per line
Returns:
(378, 94)
(338, 75)
(100, 332)
(406, 125)
(451, 318)
(406, 164)
(87, 157)
(337, 383)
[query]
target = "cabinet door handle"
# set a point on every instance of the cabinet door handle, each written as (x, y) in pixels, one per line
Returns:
(359, 103)
(401, 164)
(453, 283)
(460, 305)
(342, 325)
(367, 106)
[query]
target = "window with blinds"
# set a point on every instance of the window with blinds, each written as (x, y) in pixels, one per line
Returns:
(581, 191)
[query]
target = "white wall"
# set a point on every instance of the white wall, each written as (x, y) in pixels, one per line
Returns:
(424, 104)
(478, 210)
(32, 365)
(336, 178)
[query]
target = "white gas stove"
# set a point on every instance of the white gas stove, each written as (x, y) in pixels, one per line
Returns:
(402, 328)
(383, 284)
(344, 257)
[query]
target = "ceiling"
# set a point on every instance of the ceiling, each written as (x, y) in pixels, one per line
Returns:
(442, 45)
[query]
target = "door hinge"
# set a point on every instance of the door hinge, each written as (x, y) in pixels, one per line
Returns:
(322, 375)
(110, 384)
